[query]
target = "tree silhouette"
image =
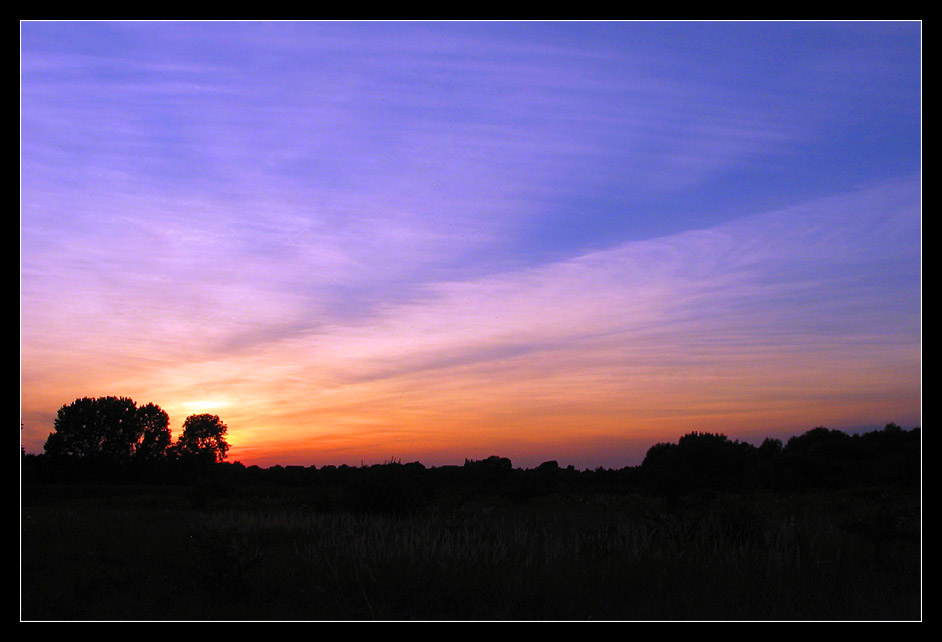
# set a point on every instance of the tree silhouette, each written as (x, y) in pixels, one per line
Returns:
(111, 428)
(155, 440)
(699, 461)
(204, 436)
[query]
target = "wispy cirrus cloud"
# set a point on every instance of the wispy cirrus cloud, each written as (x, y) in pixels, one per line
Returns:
(451, 140)
(352, 225)
(746, 327)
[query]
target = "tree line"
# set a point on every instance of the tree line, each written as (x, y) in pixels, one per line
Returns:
(113, 439)
(115, 429)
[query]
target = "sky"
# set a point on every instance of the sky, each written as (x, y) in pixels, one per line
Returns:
(360, 242)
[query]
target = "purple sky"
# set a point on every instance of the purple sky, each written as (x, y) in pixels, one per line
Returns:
(357, 241)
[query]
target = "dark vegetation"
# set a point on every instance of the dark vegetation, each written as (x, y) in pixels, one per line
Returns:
(119, 523)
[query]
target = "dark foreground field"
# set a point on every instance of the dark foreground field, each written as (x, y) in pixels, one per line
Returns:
(132, 552)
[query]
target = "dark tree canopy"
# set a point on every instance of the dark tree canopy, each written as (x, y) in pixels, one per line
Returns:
(155, 440)
(110, 428)
(204, 436)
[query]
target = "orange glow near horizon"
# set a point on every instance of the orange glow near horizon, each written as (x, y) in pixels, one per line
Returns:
(523, 410)
(600, 402)
(438, 241)
(588, 361)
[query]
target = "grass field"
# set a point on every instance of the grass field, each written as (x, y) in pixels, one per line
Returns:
(152, 553)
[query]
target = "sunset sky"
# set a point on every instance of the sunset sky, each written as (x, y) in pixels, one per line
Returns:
(425, 241)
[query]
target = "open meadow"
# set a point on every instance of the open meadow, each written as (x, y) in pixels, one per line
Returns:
(190, 553)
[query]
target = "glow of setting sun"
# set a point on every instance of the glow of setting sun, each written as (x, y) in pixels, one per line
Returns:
(203, 406)
(547, 241)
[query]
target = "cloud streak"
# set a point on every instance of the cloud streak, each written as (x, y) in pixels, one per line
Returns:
(749, 326)
(439, 237)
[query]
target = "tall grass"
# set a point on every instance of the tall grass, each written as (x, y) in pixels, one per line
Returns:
(615, 558)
